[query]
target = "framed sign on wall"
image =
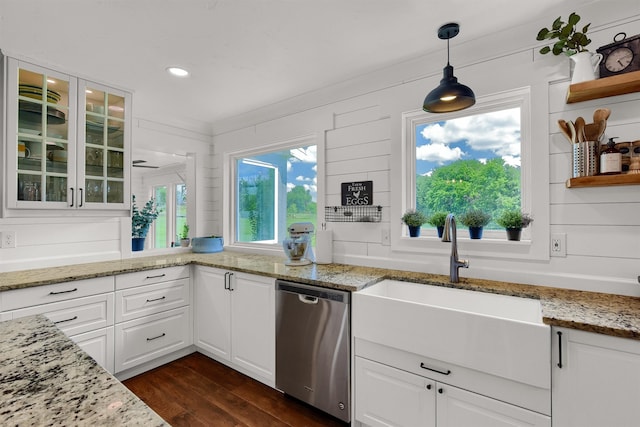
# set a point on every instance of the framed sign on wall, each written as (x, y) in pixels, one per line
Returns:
(357, 193)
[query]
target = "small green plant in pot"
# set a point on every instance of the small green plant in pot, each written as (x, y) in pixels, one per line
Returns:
(437, 220)
(414, 220)
(514, 221)
(475, 219)
(572, 42)
(141, 220)
(184, 236)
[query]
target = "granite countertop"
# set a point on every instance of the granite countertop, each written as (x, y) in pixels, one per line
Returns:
(47, 380)
(608, 314)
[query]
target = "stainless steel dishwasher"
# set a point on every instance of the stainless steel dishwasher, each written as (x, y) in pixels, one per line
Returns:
(312, 346)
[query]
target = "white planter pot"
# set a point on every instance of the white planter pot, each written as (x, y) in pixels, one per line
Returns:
(585, 66)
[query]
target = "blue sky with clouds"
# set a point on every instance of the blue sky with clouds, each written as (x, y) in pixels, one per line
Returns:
(301, 169)
(482, 137)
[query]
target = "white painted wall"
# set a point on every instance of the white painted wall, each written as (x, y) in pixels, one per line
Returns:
(358, 124)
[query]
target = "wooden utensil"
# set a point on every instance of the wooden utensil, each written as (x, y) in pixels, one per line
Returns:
(594, 131)
(564, 128)
(601, 114)
(579, 125)
(572, 132)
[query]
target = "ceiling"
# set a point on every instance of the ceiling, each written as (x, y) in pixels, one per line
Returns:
(242, 54)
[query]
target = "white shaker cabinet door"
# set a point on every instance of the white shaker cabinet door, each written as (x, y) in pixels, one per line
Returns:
(99, 345)
(460, 408)
(385, 396)
(253, 324)
(212, 316)
(596, 380)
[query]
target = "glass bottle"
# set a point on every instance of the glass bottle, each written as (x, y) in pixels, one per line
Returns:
(611, 159)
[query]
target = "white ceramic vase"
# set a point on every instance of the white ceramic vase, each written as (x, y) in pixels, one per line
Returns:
(585, 66)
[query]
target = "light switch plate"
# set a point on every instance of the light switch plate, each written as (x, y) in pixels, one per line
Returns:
(8, 239)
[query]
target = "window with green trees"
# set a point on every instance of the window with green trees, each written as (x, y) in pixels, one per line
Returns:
(274, 189)
(467, 160)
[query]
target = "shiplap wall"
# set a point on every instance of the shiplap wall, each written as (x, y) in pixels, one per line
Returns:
(360, 138)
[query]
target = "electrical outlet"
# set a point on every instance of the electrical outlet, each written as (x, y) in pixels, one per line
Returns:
(8, 239)
(386, 237)
(559, 244)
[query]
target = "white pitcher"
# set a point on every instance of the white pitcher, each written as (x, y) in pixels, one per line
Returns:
(585, 66)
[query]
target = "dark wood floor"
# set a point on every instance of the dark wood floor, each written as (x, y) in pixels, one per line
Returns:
(198, 391)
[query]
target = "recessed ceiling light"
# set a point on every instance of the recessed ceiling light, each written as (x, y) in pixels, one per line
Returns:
(178, 72)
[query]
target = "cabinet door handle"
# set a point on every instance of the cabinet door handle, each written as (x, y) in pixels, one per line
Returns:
(155, 338)
(63, 292)
(230, 282)
(441, 390)
(72, 198)
(428, 386)
(226, 281)
(559, 349)
(156, 276)
(423, 366)
(81, 197)
(66, 320)
(156, 299)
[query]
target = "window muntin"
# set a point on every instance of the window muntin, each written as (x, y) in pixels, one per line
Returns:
(273, 189)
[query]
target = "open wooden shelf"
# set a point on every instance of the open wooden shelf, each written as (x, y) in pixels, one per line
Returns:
(606, 86)
(604, 180)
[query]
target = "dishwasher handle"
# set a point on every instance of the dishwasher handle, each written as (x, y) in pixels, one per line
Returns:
(307, 299)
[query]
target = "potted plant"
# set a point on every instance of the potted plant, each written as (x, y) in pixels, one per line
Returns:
(514, 221)
(141, 219)
(437, 220)
(184, 236)
(571, 41)
(414, 220)
(475, 219)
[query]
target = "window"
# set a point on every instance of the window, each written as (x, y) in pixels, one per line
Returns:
(171, 200)
(273, 189)
(470, 159)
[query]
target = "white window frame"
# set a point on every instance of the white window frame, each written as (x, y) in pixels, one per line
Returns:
(493, 243)
(229, 191)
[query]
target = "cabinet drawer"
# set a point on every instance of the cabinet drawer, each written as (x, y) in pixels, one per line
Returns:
(99, 345)
(142, 340)
(148, 277)
(20, 298)
(75, 316)
(145, 300)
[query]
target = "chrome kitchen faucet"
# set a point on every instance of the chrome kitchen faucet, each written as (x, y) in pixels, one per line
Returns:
(450, 234)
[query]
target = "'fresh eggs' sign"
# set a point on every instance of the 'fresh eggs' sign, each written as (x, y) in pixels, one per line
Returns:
(357, 193)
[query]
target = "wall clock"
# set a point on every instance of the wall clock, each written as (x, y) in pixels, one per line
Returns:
(621, 56)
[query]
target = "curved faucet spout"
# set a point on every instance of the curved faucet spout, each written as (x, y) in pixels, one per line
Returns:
(450, 234)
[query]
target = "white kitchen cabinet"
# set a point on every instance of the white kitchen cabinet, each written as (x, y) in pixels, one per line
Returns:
(68, 141)
(153, 316)
(235, 320)
(83, 310)
(386, 396)
(99, 345)
(595, 379)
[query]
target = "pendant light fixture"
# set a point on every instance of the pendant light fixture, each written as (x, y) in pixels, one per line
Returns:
(449, 95)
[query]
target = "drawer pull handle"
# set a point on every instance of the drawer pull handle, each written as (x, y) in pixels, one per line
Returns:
(560, 349)
(62, 292)
(155, 338)
(157, 276)
(66, 320)
(423, 366)
(156, 299)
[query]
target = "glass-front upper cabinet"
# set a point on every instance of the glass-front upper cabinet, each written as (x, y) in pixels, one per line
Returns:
(104, 127)
(68, 141)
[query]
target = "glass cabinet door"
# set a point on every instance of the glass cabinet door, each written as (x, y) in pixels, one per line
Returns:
(44, 136)
(105, 157)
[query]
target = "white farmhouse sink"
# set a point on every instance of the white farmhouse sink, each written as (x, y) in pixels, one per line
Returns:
(495, 334)
(502, 306)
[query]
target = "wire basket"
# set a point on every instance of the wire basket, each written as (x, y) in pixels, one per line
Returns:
(353, 213)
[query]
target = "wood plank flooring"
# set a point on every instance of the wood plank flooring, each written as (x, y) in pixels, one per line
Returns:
(198, 391)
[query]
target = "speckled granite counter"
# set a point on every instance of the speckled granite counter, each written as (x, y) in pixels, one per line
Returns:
(596, 312)
(46, 380)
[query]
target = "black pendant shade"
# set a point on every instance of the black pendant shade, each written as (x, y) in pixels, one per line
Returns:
(449, 95)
